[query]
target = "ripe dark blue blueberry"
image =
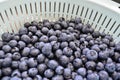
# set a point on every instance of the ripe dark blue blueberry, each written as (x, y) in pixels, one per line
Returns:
(43, 38)
(90, 65)
(24, 74)
(6, 71)
(78, 77)
(41, 68)
(32, 72)
(103, 75)
(21, 44)
(16, 73)
(5, 78)
(58, 53)
(2, 54)
(52, 64)
(99, 66)
(67, 73)
(110, 67)
(26, 38)
(23, 66)
(77, 63)
(47, 48)
(25, 51)
(49, 73)
(59, 70)
(14, 64)
(7, 62)
(64, 60)
(40, 58)
(16, 56)
(64, 44)
(92, 55)
(32, 62)
(93, 76)
(6, 36)
(6, 48)
(82, 71)
(23, 31)
(34, 52)
(67, 51)
(33, 29)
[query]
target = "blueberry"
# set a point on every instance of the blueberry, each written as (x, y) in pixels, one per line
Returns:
(34, 52)
(117, 47)
(67, 73)
(6, 62)
(24, 59)
(2, 54)
(16, 73)
(70, 66)
(53, 38)
(27, 24)
(47, 49)
(41, 68)
(0, 73)
(116, 75)
(61, 19)
(72, 45)
(32, 62)
(1, 62)
(93, 76)
(43, 38)
(23, 66)
(14, 64)
(48, 73)
(51, 55)
(51, 32)
(64, 60)
(34, 39)
(23, 31)
(92, 55)
(78, 20)
(52, 64)
(24, 74)
(58, 32)
(34, 23)
(57, 27)
(27, 78)
(64, 24)
(90, 65)
(6, 36)
(39, 45)
(44, 78)
(67, 51)
(82, 71)
(59, 70)
(78, 77)
(6, 48)
(16, 56)
(40, 58)
(32, 72)
(70, 37)
(25, 51)
(45, 30)
(21, 44)
(99, 66)
(47, 24)
(64, 44)
(57, 77)
(63, 37)
(103, 46)
(95, 47)
(26, 38)
(77, 63)
(106, 41)
(16, 37)
(73, 75)
(103, 54)
(58, 53)
(38, 33)
(56, 46)
(96, 34)
(117, 66)
(12, 43)
(15, 78)
(77, 54)
(85, 50)
(103, 75)
(15, 49)
(71, 58)
(6, 71)
(38, 77)
(110, 67)
(1, 43)
(5, 78)
(33, 29)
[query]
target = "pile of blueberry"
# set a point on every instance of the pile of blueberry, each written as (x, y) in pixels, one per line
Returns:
(60, 50)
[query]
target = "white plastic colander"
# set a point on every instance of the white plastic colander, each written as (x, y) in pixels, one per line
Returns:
(103, 15)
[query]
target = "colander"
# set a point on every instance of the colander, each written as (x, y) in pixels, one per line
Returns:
(103, 15)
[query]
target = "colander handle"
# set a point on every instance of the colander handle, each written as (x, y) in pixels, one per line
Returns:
(109, 4)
